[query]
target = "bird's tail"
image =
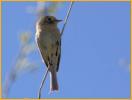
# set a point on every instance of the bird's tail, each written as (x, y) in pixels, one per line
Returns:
(53, 81)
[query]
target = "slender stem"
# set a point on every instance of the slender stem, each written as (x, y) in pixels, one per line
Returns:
(45, 75)
(42, 83)
(66, 19)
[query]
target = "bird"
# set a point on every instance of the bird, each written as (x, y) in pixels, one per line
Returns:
(48, 40)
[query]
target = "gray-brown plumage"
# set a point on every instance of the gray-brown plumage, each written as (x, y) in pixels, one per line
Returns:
(49, 43)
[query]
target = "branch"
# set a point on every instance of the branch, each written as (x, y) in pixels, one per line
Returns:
(66, 19)
(45, 75)
(42, 83)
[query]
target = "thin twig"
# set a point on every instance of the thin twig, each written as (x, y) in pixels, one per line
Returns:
(45, 75)
(42, 83)
(66, 19)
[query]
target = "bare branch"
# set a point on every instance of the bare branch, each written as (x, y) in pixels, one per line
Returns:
(42, 83)
(66, 19)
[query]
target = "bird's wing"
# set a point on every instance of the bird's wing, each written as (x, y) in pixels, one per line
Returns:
(43, 53)
(58, 53)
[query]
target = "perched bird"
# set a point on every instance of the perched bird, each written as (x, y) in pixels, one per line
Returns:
(49, 44)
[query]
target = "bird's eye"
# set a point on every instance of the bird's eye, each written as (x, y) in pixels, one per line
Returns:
(49, 19)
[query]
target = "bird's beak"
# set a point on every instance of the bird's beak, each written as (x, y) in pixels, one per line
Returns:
(58, 20)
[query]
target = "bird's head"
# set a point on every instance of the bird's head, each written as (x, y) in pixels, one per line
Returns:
(49, 20)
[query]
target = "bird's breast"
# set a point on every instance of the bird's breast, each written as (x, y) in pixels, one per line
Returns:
(47, 39)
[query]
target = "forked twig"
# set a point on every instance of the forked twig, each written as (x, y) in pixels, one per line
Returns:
(45, 75)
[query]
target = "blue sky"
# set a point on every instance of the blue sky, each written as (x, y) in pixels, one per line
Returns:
(96, 38)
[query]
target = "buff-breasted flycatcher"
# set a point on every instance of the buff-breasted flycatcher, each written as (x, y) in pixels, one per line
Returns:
(49, 43)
